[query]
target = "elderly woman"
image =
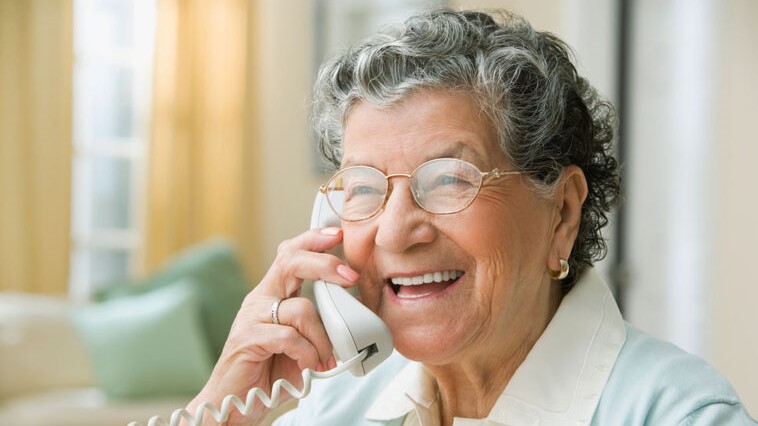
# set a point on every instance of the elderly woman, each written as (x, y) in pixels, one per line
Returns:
(483, 169)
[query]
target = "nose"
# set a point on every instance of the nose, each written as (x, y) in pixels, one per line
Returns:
(403, 225)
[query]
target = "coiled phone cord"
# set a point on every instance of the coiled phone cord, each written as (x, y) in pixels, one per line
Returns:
(246, 408)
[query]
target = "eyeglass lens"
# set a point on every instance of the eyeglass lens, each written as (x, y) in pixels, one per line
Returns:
(439, 186)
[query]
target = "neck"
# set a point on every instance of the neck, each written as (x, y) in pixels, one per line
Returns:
(470, 387)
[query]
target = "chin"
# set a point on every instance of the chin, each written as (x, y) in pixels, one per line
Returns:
(427, 344)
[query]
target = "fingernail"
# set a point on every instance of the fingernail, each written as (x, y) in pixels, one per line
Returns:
(347, 273)
(332, 363)
(331, 231)
(320, 367)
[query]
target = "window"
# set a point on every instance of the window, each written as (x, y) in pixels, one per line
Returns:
(113, 48)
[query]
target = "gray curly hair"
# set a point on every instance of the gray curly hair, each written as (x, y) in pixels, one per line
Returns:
(546, 116)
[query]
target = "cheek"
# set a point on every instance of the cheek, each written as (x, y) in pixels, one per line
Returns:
(501, 277)
(493, 273)
(507, 243)
(357, 245)
(521, 221)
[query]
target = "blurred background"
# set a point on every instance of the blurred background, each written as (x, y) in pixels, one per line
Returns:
(153, 154)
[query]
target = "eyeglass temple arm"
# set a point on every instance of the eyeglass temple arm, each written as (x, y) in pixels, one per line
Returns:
(323, 189)
(497, 173)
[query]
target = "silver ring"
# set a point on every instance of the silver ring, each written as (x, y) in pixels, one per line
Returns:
(275, 311)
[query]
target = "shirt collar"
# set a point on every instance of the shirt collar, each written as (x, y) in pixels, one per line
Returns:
(561, 378)
(413, 389)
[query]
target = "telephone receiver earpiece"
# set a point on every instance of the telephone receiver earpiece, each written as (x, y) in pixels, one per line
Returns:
(351, 326)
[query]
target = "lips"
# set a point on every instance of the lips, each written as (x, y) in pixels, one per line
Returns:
(423, 285)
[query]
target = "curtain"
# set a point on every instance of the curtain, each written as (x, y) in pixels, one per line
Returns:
(201, 171)
(36, 56)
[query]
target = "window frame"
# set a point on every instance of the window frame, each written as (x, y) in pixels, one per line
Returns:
(90, 151)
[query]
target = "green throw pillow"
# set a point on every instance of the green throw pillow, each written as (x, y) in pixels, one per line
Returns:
(219, 282)
(147, 345)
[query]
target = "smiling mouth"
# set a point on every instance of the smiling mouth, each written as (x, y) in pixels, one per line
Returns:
(423, 285)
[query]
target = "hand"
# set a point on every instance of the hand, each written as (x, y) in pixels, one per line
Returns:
(257, 351)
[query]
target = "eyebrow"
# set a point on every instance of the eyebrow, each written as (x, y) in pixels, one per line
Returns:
(458, 150)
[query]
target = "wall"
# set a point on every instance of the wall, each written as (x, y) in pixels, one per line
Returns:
(732, 334)
(285, 64)
(692, 144)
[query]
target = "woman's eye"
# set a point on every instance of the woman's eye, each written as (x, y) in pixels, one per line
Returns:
(362, 190)
(450, 180)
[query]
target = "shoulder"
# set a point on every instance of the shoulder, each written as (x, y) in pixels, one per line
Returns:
(655, 382)
(650, 362)
(343, 399)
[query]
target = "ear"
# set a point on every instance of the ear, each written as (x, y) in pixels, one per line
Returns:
(568, 198)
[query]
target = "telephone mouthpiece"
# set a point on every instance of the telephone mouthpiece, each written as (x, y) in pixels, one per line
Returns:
(352, 327)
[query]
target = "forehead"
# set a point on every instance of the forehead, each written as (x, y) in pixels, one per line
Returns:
(423, 126)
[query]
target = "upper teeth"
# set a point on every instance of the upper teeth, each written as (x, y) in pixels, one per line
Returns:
(427, 278)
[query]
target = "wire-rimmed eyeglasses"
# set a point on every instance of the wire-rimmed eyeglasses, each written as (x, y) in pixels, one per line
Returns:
(440, 186)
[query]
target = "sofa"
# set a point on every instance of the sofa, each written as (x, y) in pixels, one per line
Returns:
(46, 375)
(141, 348)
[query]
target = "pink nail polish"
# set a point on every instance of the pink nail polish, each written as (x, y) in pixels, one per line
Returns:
(331, 231)
(347, 273)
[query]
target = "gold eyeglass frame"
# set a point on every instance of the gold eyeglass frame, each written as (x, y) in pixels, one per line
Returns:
(486, 177)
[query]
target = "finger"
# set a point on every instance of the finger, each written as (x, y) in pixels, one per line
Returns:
(298, 313)
(318, 240)
(276, 339)
(308, 265)
(300, 258)
(301, 313)
(285, 276)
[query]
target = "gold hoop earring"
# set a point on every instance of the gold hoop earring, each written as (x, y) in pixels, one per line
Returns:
(563, 273)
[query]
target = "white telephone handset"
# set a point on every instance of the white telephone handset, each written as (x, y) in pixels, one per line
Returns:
(360, 341)
(351, 326)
